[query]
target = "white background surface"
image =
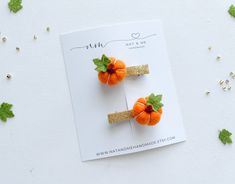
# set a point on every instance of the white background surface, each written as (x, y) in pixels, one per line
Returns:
(39, 145)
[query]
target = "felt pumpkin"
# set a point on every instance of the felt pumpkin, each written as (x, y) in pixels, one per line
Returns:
(148, 110)
(110, 70)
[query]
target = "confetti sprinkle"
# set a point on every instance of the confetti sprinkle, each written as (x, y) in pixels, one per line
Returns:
(218, 58)
(8, 76)
(225, 85)
(224, 88)
(4, 39)
(232, 74)
(221, 82)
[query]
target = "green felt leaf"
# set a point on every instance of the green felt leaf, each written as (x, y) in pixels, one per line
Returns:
(15, 5)
(101, 64)
(231, 10)
(155, 101)
(225, 136)
(5, 111)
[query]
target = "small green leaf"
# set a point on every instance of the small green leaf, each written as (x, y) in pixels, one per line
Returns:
(105, 59)
(101, 68)
(155, 101)
(225, 136)
(5, 111)
(96, 61)
(101, 64)
(231, 10)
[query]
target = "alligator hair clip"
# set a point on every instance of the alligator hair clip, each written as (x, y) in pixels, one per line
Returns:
(111, 71)
(146, 111)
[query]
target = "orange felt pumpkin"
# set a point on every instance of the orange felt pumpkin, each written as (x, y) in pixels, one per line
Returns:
(148, 111)
(110, 70)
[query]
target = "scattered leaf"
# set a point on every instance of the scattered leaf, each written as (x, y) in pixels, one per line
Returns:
(225, 136)
(231, 10)
(15, 5)
(5, 111)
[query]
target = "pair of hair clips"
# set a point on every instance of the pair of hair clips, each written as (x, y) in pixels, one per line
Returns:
(146, 110)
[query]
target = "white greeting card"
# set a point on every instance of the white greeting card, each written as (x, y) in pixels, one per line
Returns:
(134, 43)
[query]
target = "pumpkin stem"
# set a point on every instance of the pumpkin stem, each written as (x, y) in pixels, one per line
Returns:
(110, 68)
(149, 108)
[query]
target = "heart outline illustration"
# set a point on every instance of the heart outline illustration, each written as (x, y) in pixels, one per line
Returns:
(135, 35)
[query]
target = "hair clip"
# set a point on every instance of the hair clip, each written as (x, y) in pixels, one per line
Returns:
(112, 70)
(146, 111)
